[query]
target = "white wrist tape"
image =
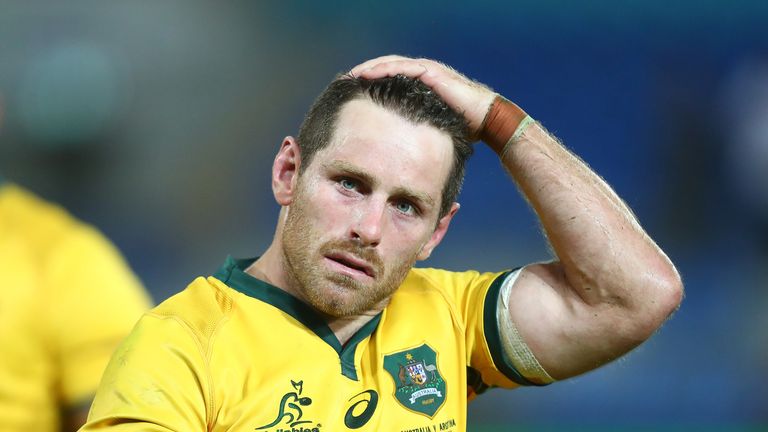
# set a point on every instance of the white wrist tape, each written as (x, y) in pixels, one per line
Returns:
(521, 128)
(515, 349)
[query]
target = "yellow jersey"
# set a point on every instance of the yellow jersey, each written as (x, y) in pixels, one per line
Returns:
(67, 299)
(233, 353)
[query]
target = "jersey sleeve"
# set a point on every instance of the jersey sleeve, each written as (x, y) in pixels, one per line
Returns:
(156, 381)
(94, 301)
(475, 296)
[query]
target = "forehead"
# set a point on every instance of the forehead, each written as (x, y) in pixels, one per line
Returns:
(390, 148)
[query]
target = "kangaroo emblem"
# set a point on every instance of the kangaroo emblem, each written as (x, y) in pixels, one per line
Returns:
(290, 408)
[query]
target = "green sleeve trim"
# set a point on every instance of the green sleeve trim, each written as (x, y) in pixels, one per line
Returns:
(492, 337)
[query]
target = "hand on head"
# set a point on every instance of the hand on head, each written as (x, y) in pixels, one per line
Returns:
(461, 93)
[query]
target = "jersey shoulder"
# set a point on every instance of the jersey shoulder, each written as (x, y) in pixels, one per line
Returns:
(453, 284)
(462, 292)
(201, 307)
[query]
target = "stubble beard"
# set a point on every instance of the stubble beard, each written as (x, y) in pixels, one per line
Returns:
(332, 293)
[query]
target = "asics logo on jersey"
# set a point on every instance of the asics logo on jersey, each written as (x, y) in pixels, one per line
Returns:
(290, 412)
(362, 410)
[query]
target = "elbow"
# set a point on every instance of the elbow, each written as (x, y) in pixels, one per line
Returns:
(660, 299)
(669, 293)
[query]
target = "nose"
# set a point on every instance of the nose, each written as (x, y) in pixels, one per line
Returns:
(367, 227)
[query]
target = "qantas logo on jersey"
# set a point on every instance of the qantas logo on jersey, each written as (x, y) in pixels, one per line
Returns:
(419, 386)
(290, 413)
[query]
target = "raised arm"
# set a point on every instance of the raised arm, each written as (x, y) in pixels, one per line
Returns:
(610, 286)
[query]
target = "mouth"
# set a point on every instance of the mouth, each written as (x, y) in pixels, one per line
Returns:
(351, 264)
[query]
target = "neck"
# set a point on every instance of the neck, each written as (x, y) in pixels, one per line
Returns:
(270, 268)
(346, 327)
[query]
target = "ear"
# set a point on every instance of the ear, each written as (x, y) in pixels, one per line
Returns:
(438, 234)
(285, 171)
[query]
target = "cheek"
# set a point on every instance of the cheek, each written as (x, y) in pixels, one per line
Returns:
(325, 210)
(406, 240)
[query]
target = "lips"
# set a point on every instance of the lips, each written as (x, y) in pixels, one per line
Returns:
(352, 262)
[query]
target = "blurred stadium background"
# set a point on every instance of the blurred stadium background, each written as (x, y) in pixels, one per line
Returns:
(158, 121)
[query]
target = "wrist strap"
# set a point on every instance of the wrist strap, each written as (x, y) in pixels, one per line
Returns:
(500, 124)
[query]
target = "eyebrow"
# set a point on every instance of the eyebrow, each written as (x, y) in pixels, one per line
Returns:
(346, 167)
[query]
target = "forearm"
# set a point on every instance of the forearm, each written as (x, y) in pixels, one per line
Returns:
(611, 287)
(605, 254)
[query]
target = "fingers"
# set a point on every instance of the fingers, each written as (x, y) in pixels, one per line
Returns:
(388, 66)
(409, 68)
(372, 62)
(459, 92)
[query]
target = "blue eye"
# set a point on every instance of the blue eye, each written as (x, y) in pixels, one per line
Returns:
(348, 184)
(405, 207)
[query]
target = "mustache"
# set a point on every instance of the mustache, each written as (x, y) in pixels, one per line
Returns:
(353, 248)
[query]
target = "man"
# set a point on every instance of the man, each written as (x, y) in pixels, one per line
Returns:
(67, 300)
(332, 329)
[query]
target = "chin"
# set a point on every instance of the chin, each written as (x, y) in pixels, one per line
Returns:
(341, 296)
(334, 310)
(339, 305)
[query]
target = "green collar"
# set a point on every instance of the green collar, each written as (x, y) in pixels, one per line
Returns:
(232, 273)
